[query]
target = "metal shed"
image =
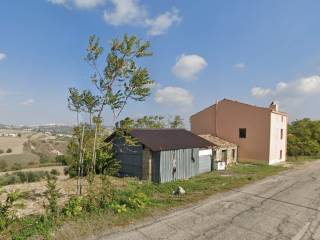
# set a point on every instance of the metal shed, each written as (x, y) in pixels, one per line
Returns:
(161, 155)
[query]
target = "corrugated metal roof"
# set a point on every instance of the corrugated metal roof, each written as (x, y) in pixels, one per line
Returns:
(168, 139)
(218, 142)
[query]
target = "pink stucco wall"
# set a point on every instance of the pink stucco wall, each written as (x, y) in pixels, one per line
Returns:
(227, 117)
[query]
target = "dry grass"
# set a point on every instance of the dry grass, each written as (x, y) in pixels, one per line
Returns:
(22, 160)
(15, 143)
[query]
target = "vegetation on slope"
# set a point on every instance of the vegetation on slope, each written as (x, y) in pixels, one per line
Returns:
(304, 139)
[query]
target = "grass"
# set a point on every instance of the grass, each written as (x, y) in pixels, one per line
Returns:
(160, 202)
(18, 161)
(302, 159)
(161, 198)
(24, 177)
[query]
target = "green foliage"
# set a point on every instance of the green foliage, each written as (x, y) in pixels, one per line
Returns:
(150, 122)
(33, 227)
(62, 159)
(105, 161)
(90, 103)
(52, 195)
(55, 172)
(304, 138)
(118, 208)
(7, 212)
(121, 79)
(177, 122)
(74, 206)
(75, 101)
(23, 177)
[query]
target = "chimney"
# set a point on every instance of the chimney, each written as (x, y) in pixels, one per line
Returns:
(274, 106)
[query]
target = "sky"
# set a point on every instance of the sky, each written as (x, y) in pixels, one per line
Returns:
(203, 51)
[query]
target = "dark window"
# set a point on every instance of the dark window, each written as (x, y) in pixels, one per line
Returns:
(233, 154)
(224, 155)
(281, 134)
(280, 154)
(242, 132)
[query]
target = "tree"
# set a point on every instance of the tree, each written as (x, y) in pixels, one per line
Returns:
(75, 102)
(121, 79)
(177, 122)
(304, 138)
(90, 104)
(150, 122)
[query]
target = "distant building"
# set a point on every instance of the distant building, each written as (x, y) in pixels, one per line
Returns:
(259, 132)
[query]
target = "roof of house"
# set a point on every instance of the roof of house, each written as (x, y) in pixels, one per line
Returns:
(218, 142)
(246, 104)
(168, 139)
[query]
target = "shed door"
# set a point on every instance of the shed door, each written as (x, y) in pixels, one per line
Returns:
(205, 160)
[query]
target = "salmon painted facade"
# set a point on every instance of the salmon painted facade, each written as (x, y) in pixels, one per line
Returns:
(259, 132)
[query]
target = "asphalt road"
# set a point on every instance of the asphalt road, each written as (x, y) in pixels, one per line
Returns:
(286, 206)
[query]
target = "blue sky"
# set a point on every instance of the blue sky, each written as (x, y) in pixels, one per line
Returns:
(248, 50)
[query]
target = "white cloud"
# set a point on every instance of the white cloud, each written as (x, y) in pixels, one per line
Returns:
(3, 56)
(84, 4)
(28, 102)
(188, 67)
(163, 22)
(125, 12)
(131, 12)
(302, 87)
(260, 92)
(240, 66)
(88, 3)
(174, 96)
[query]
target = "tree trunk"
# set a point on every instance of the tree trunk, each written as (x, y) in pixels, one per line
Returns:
(80, 169)
(94, 155)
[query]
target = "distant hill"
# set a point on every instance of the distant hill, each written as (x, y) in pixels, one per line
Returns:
(52, 128)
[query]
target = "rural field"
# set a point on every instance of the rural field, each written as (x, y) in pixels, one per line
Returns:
(29, 149)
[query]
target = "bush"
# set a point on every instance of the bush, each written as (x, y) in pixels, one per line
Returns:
(55, 172)
(62, 159)
(66, 171)
(1, 151)
(73, 207)
(9, 150)
(22, 177)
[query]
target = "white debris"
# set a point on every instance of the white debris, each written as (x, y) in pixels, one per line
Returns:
(179, 191)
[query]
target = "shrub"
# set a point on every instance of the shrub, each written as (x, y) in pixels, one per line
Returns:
(1, 151)
(66, 171)
(22, 177)
(73, 207)
(118, 208)
(9, 150)
(55, 172)
(52, 195)
(7, 213)
(62, 159)
(43, 158)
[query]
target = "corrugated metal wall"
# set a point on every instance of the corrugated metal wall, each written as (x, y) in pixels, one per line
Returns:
(131, 158)
(187, 164)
